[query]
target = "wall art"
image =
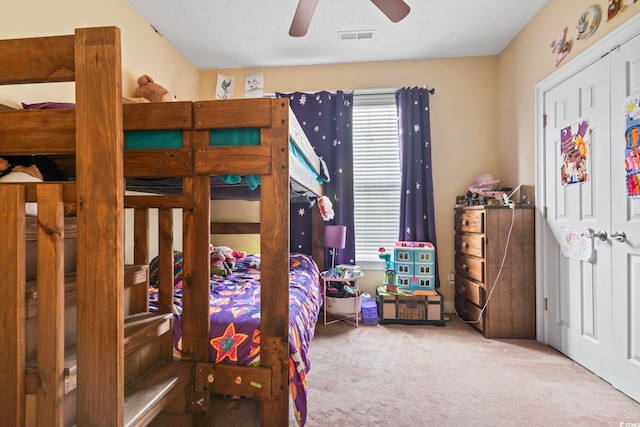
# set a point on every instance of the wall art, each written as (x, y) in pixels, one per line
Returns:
(560, 46)
(632, 146)
(588, 23)
(574, 152)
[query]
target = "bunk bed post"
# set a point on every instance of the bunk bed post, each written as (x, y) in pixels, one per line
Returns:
(165, 261)
(12, 313)
(274, 250)
(51, 302)
(196, 268)
(317, 238)
(141, 236)
(100, 219)
(141, 256)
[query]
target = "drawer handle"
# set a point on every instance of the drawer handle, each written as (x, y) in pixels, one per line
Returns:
(465, 267)
(465, 245)
(465, 222)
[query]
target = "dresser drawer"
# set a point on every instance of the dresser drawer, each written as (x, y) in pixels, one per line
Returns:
(469, 312)
(470, 290)
(470, 221)
(470, 244)
(470, 267)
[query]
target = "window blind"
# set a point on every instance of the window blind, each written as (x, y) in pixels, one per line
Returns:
(376, 179)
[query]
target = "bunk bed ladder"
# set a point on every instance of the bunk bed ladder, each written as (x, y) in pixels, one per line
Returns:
(117, 382)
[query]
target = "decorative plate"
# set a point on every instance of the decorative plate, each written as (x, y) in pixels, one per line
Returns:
(588, 23)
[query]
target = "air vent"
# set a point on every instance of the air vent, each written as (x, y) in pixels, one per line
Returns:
(356, 35)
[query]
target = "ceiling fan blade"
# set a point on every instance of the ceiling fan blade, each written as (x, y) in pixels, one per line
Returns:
(395, 10)
(302, 17)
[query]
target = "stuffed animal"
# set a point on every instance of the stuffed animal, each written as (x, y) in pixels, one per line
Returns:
(149, 91)
(33, 169)
(40, 167)
(218, 264)
(231, 256)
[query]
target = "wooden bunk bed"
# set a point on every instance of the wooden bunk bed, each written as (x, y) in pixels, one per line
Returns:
(88, 142)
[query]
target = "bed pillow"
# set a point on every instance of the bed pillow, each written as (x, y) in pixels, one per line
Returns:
(48, 105)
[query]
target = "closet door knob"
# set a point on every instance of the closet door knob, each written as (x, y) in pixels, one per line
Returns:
(618, 236)
(602, 235)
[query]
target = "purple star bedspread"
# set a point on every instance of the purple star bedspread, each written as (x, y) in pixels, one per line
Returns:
(234, 303)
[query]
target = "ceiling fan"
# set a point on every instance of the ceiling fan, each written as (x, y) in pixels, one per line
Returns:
(395, 10)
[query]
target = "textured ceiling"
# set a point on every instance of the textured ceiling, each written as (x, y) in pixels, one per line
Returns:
(214, 34)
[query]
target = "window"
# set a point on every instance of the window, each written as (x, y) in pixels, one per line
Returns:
(376, 175)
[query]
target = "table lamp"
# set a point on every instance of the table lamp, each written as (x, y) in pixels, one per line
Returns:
(335, 237)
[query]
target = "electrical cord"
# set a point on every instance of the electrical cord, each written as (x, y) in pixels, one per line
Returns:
(512, 206)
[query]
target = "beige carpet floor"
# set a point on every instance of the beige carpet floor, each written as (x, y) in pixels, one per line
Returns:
(398, 375)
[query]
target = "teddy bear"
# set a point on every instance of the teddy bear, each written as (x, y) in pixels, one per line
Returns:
(149, 91)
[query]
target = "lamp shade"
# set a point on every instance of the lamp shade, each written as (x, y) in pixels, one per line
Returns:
(335, 236)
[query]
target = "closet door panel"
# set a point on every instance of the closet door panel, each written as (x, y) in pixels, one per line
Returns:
(579, 291)
(625, 218)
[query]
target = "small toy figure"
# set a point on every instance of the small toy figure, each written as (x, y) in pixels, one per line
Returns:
(382, 254)
(390, 272)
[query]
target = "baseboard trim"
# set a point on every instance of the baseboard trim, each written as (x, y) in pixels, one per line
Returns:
(449, 307)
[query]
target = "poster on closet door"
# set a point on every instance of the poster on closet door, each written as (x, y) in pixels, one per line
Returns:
(632, 148)
(574, 152)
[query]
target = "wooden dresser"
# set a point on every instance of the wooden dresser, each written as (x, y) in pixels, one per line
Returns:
(481, 236)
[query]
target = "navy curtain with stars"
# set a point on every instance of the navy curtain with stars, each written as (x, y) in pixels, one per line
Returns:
(326, 119)
(417, 213)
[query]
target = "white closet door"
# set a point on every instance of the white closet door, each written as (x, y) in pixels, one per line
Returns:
(578, 317)
(625, 218)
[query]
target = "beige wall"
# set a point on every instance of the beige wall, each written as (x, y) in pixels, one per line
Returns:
(143, 50)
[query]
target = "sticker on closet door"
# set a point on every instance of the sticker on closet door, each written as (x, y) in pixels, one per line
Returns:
(578, 243)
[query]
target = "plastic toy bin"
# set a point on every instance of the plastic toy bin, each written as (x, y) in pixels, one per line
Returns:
(369, 311)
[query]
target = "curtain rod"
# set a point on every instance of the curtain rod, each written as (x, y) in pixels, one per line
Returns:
(432, 91)
(374, 91)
